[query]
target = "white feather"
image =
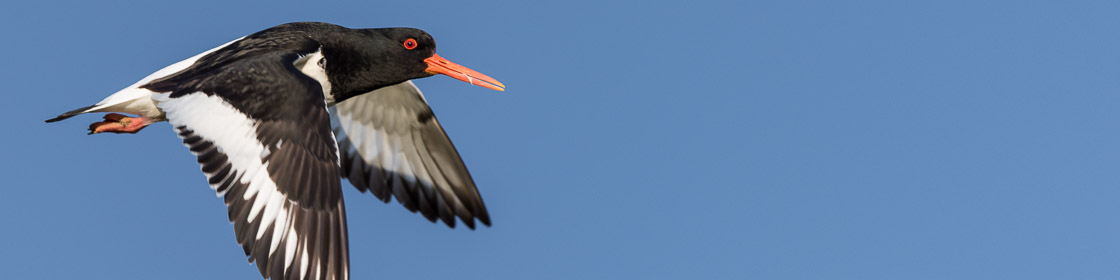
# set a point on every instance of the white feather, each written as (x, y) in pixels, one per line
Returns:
(280, 222)
(136, 100)
(312, 65)
(231, 131)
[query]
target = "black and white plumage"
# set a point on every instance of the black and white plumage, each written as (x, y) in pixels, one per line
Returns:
(392, 144)
(258, 111)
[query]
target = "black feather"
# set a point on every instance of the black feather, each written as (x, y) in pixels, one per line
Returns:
(71, 113)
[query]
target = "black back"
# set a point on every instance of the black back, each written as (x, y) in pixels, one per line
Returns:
(357, 60)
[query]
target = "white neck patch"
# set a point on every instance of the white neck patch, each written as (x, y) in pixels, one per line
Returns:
(314, 65)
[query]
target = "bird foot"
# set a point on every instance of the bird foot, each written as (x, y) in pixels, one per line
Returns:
(117, 123)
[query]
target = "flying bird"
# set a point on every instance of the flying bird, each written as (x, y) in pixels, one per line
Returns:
(277, 118)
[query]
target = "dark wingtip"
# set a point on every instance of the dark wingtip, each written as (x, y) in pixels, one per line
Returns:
(484, 219)
(71, 113)
(59, 118)
(482, 215)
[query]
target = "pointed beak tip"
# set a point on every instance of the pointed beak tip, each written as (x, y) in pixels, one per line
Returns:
(439, 65)
(493, 86)
(499, 87)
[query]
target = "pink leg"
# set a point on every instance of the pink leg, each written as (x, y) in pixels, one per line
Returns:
(117, 123)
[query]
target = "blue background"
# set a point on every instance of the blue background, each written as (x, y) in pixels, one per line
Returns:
(636, 140)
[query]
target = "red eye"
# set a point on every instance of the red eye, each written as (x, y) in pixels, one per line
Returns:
(410, 43)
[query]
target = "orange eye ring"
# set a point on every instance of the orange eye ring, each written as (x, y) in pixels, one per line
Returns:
(410, 43)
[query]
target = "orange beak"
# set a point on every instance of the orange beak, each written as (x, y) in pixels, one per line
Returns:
(439, 65)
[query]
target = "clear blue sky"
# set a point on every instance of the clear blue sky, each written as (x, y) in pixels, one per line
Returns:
(718, 140)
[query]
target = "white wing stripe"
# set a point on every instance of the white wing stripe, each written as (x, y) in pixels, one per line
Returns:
(234, 135)
(398, 149)
(280, 222)
(268, 213)
(262, 196)
(391, 151)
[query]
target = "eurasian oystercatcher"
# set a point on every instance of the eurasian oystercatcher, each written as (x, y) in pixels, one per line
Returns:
(268, 114)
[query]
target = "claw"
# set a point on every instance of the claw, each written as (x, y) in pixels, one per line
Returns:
(117, 123)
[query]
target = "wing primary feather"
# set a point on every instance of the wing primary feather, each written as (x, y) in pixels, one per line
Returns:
(393, 145)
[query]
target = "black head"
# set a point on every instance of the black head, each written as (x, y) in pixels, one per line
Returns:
(362, 60)
(407, 49)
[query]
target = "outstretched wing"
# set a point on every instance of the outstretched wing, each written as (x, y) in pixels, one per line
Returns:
(391, 143)
(261, 132)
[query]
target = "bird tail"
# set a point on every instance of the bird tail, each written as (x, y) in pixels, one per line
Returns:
(72, 113)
